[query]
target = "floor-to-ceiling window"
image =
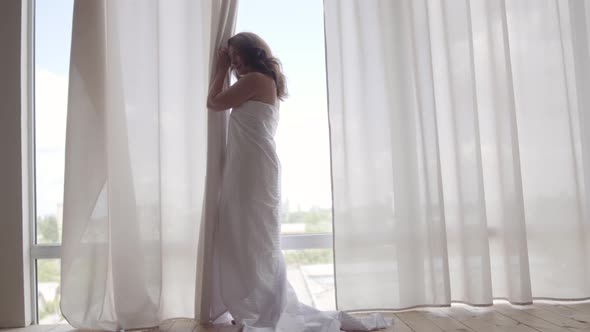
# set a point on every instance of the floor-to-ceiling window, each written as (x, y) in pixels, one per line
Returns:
(52, 39)
(302, 142)
(294, 31)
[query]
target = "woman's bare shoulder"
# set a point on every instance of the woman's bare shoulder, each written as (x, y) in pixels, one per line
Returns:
(258, 77)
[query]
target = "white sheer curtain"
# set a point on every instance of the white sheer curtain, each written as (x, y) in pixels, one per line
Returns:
(138, 139)
(460, 134)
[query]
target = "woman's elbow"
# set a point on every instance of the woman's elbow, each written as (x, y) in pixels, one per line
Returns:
(215, 107)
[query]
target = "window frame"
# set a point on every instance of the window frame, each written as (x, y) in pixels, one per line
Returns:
(30, 109)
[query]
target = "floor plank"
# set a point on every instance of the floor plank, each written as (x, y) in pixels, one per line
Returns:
(574, 314)
(484, 315)
(502, 317)
(32, 328)
(398, 325)
(184, 325)
(166, 325)
(210, 328)
(444, 321)
(228, 328)
(458, 313)
(488, 314)
(582, 307)
(486, 320)
(517, 313)
(418, 322)
(63, 328)
(555, 318)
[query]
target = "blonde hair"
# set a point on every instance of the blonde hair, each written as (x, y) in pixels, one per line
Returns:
(257, 55)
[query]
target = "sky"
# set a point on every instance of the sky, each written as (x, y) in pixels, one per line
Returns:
(295, 32)
(53, 29)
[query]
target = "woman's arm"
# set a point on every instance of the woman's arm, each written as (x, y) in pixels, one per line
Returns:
(244, 89)
(221, 71)
(216, 87)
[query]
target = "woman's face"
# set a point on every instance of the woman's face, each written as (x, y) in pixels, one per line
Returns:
(236, 61)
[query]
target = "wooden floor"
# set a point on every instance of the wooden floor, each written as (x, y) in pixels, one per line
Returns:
(502, 317)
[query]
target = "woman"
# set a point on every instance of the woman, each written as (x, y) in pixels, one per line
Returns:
(249, 265)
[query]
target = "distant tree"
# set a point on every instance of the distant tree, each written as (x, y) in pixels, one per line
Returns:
(47, 229)
(308, 257)
(316, 220)
(48, 270)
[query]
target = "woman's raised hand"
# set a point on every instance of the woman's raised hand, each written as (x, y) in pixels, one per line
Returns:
(223, 61)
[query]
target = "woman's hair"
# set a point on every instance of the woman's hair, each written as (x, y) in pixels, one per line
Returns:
(256, 54)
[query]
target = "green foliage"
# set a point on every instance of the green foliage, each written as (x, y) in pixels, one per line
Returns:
(49, 308)
(47, 230)
(316, 220)
(308, 257)
(48, 270)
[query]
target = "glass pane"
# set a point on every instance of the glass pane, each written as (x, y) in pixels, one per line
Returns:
(53, 29)
(302, 137)
(48, 294)
(311, 273)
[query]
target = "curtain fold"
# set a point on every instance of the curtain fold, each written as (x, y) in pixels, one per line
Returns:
(459, 137)
(137, 170)
(209, 306)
